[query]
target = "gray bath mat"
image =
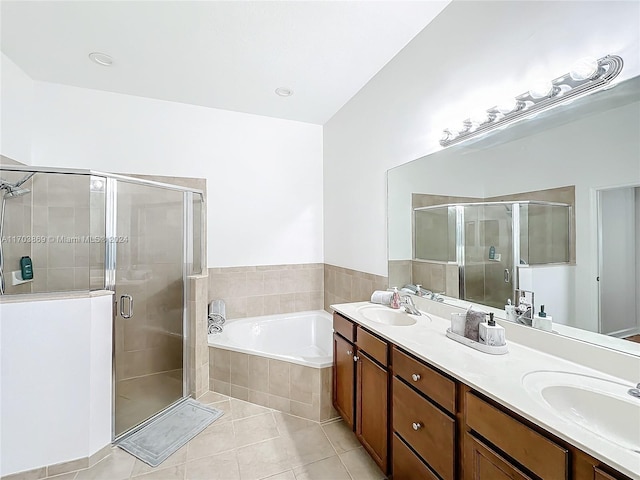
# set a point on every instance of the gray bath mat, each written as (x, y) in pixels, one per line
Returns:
(155, 442)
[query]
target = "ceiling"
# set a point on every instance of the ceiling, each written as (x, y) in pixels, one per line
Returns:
(230, 55)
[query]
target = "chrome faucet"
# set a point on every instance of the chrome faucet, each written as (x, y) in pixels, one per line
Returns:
(635, 392)
(409, 306)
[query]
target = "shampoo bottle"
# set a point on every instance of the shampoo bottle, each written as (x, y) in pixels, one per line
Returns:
(491, 334)
(543, 321)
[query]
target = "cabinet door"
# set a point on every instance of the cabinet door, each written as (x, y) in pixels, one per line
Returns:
(482, 463)
(371, 408)
(343, 378)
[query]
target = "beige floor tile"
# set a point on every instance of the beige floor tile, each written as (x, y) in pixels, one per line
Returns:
(288, 424)
(117, 466)
(223, 466)
(177, 458)
(212, 397)
(341, 436)
(33, 474)
(307, 445)
(328, 469)
(241, 409)
(255, 429)
(263, 459)
(225, 406)
(212, 440)
(288, 475)
(170, 473)
(360, 465)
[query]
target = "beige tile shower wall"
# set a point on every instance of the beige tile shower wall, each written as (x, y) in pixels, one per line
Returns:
(343, 285)
(267, 289)
(437, 277)
(400, 272)
(198, 345)
(288, 387)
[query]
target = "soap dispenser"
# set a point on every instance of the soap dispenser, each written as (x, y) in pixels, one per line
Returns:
(543, 321)
(395, 299)
(491, 334)
(510, 311)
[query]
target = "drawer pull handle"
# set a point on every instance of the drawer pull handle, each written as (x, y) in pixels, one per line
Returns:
(416, 377)
(417, 425)
(349, 352)
(356, 358)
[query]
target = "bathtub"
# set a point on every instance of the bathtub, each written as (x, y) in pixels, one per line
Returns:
(302, 338)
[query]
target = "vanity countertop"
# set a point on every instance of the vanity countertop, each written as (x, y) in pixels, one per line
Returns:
(500, 377)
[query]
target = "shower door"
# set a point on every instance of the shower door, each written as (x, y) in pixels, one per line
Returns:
(149, 301)
(488, 254)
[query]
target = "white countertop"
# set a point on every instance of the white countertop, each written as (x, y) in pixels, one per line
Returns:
(499, 377)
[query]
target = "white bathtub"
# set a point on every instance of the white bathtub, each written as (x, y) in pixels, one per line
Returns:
(304, 338)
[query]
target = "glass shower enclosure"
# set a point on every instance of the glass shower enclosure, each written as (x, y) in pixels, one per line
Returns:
(481, 245)
(86, 230)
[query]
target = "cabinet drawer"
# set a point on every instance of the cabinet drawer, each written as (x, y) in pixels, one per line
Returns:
(434, 385)
(535, 452)
(344, 327)
(407, 465)
(429, 431)
(375, 348)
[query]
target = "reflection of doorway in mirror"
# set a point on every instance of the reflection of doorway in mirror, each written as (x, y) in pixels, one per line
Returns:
(618, 262)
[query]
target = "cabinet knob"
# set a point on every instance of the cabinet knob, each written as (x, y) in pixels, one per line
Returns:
(417, 425)
(416, 377)
(349, 352)
(356, 358)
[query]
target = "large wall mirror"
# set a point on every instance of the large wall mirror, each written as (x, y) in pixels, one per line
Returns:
(550, 205)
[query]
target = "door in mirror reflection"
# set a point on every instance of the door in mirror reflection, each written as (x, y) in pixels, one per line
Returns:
(488, 254)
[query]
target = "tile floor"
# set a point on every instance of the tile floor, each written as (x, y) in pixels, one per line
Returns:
(249, 442)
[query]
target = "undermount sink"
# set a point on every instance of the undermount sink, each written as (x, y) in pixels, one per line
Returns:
(601, 406)
(386, 315)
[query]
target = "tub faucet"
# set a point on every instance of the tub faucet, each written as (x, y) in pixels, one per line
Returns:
(408, 305)
(635, 392)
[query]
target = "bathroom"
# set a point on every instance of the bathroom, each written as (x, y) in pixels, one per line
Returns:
(295, 214)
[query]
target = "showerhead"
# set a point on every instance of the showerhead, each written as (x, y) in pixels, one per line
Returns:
(16, 192)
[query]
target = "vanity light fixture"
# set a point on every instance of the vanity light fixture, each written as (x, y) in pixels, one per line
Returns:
(586, 76)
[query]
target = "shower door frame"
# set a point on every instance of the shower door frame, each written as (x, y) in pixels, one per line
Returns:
(111, 215)
(110, 198)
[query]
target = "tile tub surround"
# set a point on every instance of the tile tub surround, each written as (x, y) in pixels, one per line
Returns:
(248, 442)
(343, 285)
(302, 391)
(267, 289)
(198, 346)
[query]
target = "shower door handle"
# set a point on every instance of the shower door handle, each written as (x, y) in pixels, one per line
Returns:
(507, 275)
(129, 312)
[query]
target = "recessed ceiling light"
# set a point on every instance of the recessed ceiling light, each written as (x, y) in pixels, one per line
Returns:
(101, 59)
(284, 92)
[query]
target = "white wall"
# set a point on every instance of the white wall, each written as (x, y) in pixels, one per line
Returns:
(472, 54)
(55, 400)
(264, 175)
(16, 111)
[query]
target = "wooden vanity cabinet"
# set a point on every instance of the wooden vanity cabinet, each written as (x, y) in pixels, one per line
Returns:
(361, 386)
(423, 412)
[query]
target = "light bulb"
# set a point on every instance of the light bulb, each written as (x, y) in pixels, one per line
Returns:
(478, 118)
(507, 105)
(541, 89)
(584, 68)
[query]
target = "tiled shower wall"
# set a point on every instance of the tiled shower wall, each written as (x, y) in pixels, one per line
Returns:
(267, 289)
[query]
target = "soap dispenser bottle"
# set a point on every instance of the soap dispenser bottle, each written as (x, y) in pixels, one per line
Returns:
(543, 321)
(510, 311)
(491, 334)
(395, 299)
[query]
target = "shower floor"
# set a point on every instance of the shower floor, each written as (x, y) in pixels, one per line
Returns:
(142, 397)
